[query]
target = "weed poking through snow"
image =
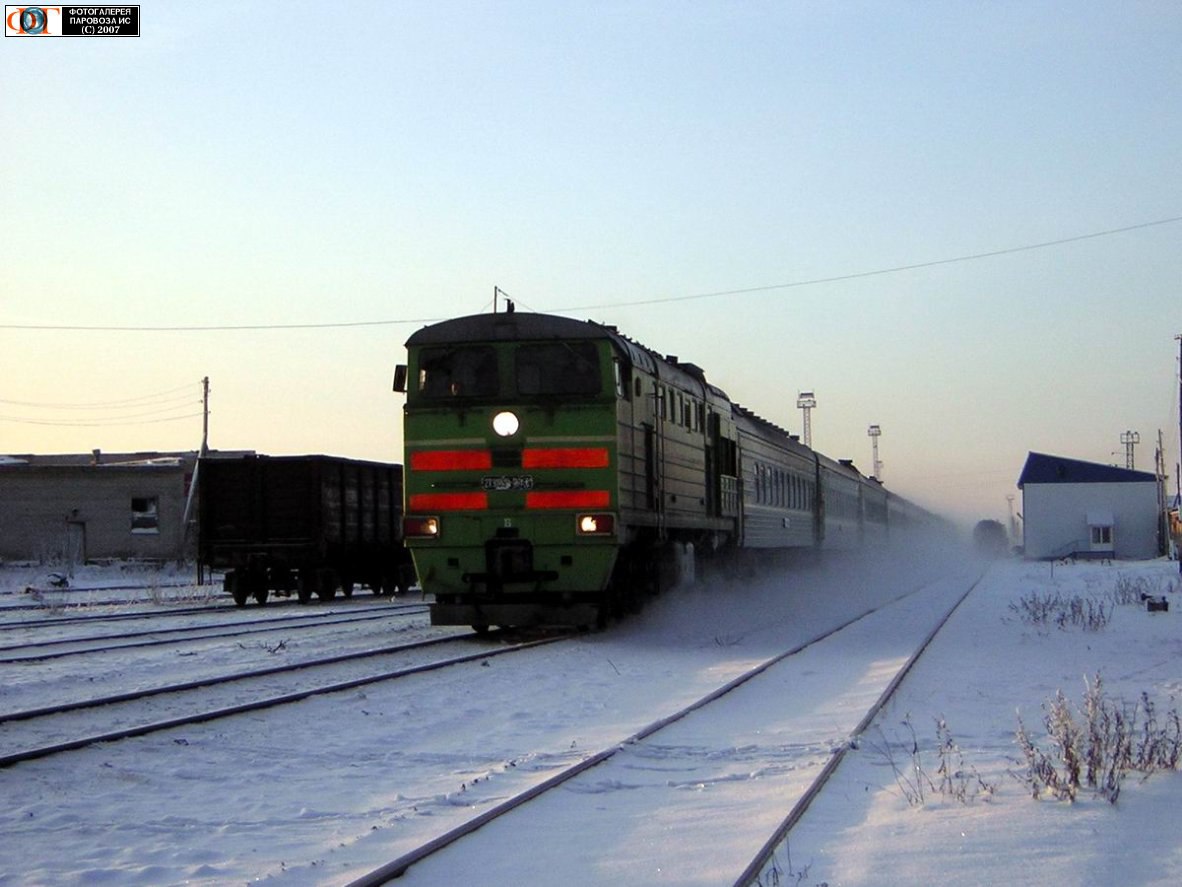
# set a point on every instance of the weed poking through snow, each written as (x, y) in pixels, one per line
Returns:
(1097, 745)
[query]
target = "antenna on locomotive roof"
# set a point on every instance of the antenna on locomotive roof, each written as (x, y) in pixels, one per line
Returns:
(509, 306)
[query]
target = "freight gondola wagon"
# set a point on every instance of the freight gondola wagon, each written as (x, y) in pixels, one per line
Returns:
(312, 525)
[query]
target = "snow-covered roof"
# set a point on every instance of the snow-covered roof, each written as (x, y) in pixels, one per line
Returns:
(1041, 468)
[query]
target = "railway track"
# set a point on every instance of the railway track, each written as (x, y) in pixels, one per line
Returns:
(58, 600)
(92, 618)
(47, 721)
(679, 770)
(72, 598)
(43, 650)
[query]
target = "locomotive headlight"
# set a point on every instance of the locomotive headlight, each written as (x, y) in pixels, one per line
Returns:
(594, 524)
(506, 423)
(420, 527)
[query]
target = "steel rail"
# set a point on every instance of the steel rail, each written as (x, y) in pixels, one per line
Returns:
(751, 874)
(200, 683)
(216, 608)
(197, 633)
(398, 867)
(270, 702)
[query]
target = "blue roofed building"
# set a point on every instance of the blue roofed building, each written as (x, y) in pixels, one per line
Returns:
(1084, 509)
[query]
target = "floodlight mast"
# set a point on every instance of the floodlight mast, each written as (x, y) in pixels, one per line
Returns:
(875, 432)
(1130, 439)
(805, 401)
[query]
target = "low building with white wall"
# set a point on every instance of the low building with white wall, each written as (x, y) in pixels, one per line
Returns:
(1084, 509)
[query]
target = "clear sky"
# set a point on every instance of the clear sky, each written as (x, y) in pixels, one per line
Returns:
(266, 164)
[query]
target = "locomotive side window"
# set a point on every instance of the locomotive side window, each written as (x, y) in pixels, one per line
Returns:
(623, 375)
(470, 371)
(560, 368)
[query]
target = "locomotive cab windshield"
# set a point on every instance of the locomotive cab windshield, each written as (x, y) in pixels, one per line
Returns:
(556, 369)
(563, 368)
(468, 371)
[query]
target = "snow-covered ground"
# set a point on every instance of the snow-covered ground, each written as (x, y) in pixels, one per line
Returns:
(323, 791)
(987, 668)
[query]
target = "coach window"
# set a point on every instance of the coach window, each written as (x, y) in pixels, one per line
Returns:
(145, 515)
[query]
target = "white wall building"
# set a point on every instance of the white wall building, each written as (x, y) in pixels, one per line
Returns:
(1086, 509)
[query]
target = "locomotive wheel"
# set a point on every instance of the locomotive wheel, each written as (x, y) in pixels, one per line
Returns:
(260, 593)
(347, 585)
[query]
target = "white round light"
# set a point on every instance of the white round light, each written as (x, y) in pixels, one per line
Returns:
(506, 423)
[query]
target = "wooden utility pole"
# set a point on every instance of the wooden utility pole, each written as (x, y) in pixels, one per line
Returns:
(187, 517)
(204, 416)
(1163, 521)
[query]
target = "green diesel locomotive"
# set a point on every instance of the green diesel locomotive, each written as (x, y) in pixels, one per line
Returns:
(554, 468)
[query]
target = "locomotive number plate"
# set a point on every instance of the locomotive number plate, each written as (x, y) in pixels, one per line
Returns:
(502, 483)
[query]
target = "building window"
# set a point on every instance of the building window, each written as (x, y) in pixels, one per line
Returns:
(145, 514)
(1101, 535)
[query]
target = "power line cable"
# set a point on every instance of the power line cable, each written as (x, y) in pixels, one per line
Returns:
(214, 328)
(124, 411)
(838, 278)
(892, 270)
(94, 424)
(142, 397)
(161, 399)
